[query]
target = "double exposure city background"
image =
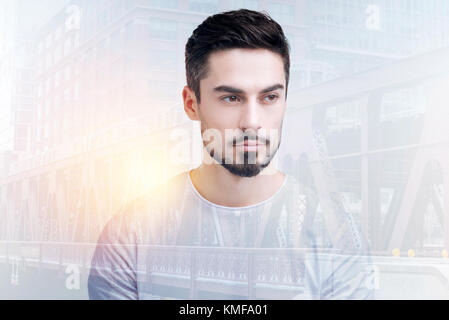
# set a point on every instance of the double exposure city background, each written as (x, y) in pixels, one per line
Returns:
(91, 115)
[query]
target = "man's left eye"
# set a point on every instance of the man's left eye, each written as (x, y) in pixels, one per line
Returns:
(271, 97)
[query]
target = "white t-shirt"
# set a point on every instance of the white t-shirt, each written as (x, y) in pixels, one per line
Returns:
(174, 243)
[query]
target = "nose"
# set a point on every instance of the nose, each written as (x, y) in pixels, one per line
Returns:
(250, 116)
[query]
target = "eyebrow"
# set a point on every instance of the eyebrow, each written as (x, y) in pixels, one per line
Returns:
(236, 90)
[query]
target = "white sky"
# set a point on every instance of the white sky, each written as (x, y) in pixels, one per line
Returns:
(32, 13)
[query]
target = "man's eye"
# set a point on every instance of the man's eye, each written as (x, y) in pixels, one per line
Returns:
(271, 97)
(231, 98)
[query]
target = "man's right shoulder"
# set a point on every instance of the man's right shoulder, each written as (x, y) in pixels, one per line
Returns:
(158, 197)
(145, 213)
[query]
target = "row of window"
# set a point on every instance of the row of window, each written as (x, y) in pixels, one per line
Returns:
(55, 81)
(397, 104)
(98, 15)
(389, 44)
(56, 102)
(396, 5)
(55, 56)
(59, 128)
(54, 38)
(378, 16)
(157, 29)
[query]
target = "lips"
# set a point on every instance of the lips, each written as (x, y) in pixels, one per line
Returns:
(249, 143)
(249, 146)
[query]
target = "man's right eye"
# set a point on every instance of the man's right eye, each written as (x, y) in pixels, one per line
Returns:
(230, 99)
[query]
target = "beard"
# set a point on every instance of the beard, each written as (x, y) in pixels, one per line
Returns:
(247, 169)
(250, 167)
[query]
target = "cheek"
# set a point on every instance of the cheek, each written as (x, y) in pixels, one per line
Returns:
(221, 120)
(273, 120)
(277, 111)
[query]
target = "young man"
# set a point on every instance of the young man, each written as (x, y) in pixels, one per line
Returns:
(237, 67)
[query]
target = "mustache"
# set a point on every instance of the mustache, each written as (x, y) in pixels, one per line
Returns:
(261, 140)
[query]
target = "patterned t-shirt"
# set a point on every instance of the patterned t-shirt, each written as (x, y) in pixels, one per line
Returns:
(174, 243)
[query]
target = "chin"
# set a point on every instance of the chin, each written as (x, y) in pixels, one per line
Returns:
(245, 170)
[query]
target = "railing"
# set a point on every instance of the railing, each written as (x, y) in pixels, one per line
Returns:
(217, 269)
(56, 253)
(266, 273)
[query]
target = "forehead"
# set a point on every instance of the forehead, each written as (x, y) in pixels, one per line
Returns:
(245, 68)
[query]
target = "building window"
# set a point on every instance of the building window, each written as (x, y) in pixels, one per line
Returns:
(291, 41)
(102, 49)
(244, 4)
(40, 47)
(77, 67)
(316, 77)
(165, 4)
(65, 125)
(21, 131)
(58, 33)
(67, 46)
(40, 66)
(206, 6)
(76, 40)
(46, 109)
(116, 41)
(39, 112)
(48, 41)
(57, 102)
(57, 79)
(116, 9)
(90, 55)
(102, 18)
(162, 90)
(162, 60)
(129, 31)
(162, 29)
(48, 61)
(39, 90)
(67, 94)
(76, 91)
(117, 69)
(58, 54)
(402, 103)
(47, 85)
(67, 73)
(345, 115)
(129, 4)
(282, 12)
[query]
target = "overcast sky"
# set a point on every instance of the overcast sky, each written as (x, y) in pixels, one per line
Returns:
(31, 15)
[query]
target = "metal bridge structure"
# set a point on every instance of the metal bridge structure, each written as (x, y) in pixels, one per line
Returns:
(405, 151)
(382, 159)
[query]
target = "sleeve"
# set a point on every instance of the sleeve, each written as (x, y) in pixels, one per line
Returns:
(337, 267)
(113, 267)
(339, 276)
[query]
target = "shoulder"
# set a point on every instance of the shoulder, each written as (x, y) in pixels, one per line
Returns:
(167, 193)
(300, 190)
(144, 214)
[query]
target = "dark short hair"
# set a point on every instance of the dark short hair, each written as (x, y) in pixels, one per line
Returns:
(230, 30)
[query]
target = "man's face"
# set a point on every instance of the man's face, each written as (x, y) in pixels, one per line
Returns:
(243, 102)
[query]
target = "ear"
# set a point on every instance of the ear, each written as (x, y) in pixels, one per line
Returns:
(190, 103)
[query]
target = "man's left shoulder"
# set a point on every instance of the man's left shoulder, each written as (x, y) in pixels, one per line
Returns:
(299, 190)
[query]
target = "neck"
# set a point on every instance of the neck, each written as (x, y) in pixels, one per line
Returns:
(221, 187)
